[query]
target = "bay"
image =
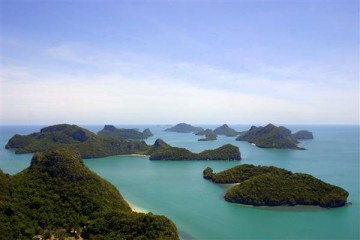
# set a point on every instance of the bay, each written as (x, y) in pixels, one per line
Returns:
(178, 191)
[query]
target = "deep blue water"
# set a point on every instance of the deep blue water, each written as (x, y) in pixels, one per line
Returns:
(177, 189)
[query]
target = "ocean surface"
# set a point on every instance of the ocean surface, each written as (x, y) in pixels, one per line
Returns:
(177, 189)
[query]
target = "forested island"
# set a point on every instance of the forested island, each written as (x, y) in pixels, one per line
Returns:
(272, 186)
(184, 128)
(226, 130)
(272, 136)
(91, 145)
(209, 135)
(59, 196)
(74, 138)
(163, 151)
(123, 133)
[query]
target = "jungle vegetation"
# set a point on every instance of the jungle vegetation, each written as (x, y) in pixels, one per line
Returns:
(163, 151)
(272, 186)
(58, 192)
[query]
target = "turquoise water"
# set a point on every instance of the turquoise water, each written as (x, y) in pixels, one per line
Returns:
(177, 189)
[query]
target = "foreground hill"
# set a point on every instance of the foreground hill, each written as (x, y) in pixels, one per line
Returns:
(163, 151)
(123, 133)
(271, 186)
(74, 138)
(272, 136)
(59, 191)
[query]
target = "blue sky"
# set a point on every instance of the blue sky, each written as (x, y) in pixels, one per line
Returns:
(155, 62)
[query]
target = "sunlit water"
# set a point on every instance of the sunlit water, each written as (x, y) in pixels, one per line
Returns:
(177, 190)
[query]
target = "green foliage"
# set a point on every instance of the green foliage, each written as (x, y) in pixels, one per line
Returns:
(130, 134)
(225, 152)
(173, 153)
(74, 138)
(273, 190)
(243, 172)
(270, 136)
(208, 173)
(89, 145)
(117, 225)
(163, 151)
(58, 191)
(271, 186)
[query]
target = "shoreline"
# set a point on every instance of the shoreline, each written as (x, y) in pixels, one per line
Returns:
(136, 208)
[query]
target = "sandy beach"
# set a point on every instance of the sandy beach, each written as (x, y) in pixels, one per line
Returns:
(137, 209)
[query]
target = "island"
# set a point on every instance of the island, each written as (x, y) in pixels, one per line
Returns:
(226, 130)
(123, 133)
(303, 134)
(90, 145)
(209, 135)
(270, 136)
(58, 196)
(184, 128)
(74, 138)
(272, 186)
(163, 151)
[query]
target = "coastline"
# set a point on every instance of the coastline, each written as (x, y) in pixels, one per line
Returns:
(136, 208)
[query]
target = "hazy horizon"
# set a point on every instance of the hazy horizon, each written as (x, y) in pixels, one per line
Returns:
(166, 62)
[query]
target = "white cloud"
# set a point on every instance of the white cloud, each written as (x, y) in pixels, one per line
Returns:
(132, 88)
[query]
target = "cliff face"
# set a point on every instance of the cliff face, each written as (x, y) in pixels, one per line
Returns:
(58, 190)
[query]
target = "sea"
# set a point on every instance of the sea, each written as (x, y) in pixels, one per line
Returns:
(177, 189)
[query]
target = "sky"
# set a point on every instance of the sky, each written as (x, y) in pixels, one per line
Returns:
(165, 62)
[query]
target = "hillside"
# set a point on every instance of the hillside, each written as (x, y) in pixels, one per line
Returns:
(58, 191)
(271, 186)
